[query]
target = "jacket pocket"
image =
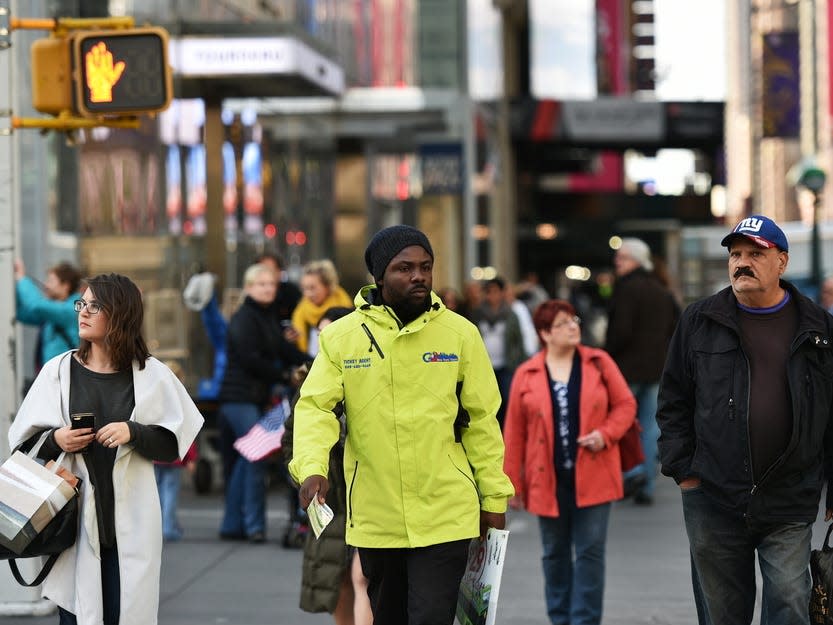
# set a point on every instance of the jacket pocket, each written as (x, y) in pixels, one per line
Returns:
(465, 473)
(715, 361)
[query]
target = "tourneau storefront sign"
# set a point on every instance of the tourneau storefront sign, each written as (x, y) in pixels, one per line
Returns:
(212, 57)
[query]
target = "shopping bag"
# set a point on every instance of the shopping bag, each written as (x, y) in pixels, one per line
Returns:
(20, 476)
(31, 495)
(821, 569)
(480, 586)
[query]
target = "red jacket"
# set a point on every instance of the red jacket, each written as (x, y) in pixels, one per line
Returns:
(605, 404)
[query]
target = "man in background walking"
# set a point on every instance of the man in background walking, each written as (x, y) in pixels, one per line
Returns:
(643, 314)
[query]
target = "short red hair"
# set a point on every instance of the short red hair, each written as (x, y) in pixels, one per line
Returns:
(546, 312)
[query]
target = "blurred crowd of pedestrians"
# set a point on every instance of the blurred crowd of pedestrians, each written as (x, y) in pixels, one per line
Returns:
(513, 396)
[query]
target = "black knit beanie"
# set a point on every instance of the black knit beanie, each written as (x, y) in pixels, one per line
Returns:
(387, 243)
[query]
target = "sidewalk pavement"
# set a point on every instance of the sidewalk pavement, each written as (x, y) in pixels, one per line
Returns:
(208, 581)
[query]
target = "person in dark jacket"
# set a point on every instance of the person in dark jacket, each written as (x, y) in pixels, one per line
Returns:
(745, 407)
(642, 316)
(332, 579)
(257, 353)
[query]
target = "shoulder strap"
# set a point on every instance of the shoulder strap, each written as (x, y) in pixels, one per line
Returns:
(47, 567)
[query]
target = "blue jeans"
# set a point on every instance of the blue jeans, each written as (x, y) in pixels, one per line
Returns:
(574, 584)
(724, 545)
(646, 412)
(168, 480)
(245, 512)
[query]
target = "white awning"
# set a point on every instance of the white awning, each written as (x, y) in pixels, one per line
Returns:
(198, 57)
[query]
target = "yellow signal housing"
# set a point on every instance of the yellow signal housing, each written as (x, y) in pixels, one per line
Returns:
(51, 74)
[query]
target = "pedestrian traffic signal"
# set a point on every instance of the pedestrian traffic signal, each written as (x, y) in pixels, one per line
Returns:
(103, 73)
(121, 72)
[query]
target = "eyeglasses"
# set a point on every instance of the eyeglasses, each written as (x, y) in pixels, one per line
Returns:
(92, 307)
(566, 322)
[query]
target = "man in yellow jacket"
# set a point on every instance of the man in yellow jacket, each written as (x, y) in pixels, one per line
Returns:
(419, 485)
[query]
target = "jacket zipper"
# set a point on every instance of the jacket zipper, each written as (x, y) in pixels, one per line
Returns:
(352, 482)
(748, 433)
(373, 342)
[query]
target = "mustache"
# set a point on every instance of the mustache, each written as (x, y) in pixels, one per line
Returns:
(743, 271)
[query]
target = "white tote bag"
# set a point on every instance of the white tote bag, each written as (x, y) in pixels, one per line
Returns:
(480, 586)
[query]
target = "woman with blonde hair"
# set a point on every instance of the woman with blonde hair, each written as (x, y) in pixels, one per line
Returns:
(320, 290)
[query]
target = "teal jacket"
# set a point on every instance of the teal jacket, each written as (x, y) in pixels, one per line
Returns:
(57, 318)
(409, 484)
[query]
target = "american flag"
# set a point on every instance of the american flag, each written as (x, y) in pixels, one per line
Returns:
(265, 436)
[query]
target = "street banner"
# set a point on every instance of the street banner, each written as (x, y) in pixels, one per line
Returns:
(781, 85)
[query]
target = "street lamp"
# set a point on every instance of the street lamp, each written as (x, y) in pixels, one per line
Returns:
(809, 175)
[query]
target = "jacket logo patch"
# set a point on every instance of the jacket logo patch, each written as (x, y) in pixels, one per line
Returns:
(356, 363)
(439, 357)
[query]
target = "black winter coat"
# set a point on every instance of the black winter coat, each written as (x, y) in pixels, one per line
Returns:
(257, 355)
(703, 412)
(643, 315)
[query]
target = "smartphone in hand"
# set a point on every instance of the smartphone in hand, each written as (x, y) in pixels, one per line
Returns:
(80, 420)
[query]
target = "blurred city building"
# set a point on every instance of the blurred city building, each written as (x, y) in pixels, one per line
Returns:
(522, 135)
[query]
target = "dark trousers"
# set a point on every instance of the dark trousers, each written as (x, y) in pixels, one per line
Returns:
(110, 587)
(416, 586)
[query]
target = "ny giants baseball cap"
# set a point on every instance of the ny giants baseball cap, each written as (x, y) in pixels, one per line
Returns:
(762, 231)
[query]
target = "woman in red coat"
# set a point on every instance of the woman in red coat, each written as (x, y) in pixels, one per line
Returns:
(568, 407)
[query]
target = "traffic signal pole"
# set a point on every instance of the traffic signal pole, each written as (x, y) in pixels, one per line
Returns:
(118, 73)
(8, 210)
(14, 600)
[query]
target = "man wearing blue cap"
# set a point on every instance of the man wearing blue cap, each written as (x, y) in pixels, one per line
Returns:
(745, 413)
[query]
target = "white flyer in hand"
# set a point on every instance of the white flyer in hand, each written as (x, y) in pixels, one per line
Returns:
(319, 515)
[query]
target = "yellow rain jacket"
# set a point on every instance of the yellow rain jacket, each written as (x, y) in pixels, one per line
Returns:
(409, 484)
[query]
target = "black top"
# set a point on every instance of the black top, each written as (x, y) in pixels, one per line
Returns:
(258, 355)
(766, 336)
(109, 396)
(285, 301)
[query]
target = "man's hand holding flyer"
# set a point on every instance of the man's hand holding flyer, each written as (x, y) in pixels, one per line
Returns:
(319, 515)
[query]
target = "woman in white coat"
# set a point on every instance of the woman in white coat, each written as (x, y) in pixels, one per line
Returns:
(141, 413)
